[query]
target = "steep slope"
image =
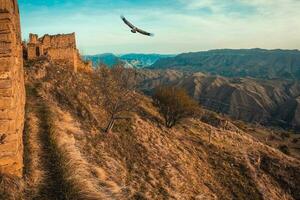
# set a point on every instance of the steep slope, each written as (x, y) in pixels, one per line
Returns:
(257, 63)
(141, 159)
(268, 102)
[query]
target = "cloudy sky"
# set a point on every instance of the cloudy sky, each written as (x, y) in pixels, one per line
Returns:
(179, 25)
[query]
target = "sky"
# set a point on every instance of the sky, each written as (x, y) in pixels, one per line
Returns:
(179, 25)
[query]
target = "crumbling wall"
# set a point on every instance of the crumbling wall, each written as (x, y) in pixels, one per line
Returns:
(59, 48)
(58, 41)
(12, 92)
(83, 66)
(62, 55)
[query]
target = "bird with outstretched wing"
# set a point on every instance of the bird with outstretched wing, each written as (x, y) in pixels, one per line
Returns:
(135, 29)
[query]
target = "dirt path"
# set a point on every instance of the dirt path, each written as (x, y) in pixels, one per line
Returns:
(53, 188)
(42, 170)
(54, 167)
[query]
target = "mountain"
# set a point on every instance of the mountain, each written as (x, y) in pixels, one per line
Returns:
(68, 156)
(143, 60)
(106, 58)
(257, 63)
(131, 60)
(270, 102)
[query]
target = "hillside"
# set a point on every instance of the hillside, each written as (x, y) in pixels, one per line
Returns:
(257, 63)
(132, 60)
(271, 102)
(67, 156)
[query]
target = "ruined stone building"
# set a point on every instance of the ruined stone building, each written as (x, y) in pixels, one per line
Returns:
(59, 48)
(12, 92)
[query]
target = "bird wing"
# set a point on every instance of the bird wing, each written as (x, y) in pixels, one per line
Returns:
(144, 32)
(127, 22)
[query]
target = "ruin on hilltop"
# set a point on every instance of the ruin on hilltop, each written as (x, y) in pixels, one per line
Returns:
(59, 48)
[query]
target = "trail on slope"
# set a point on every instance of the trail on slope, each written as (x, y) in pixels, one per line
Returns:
(45, 175)
(54, 167)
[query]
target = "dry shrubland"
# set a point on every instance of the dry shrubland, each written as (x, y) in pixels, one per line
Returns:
(67, 158)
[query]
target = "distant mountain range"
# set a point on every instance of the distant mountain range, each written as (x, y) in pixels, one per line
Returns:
(270, 102)
(257, 63)
(133, 60)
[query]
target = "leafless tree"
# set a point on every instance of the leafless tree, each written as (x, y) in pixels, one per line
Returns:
(118, 90)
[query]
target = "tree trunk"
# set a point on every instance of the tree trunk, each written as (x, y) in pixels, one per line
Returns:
(110, 125)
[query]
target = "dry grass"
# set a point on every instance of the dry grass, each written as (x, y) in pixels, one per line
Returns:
(34, 174)
(142, 159)
(11, 187)
(75, 170)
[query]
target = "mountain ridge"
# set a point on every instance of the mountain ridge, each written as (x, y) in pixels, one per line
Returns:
(273, 102)
(131, 60)
(257, 63)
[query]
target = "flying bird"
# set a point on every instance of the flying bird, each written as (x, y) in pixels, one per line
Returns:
(135, 29)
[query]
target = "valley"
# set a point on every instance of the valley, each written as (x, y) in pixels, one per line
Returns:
(267, 102)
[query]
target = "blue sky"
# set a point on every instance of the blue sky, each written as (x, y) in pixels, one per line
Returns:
(178, 25)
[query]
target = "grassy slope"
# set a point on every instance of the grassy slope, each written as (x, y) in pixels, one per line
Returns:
(144, 160)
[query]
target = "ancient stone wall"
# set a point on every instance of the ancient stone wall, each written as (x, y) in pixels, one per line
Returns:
(83, 66)
(59, 48)
(12, 92)
(58, 41)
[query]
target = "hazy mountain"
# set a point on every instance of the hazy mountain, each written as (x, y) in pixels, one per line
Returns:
(258, 63)
(107, 58)
(143, 60)
(272, 102)
(131, 60)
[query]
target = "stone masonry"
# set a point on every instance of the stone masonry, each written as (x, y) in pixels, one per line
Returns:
(12, 92)
(59, 48)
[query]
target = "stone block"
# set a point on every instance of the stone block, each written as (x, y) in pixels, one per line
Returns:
(5, 84)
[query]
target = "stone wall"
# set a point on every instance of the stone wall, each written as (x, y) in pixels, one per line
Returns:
(83, 66)
(12, 92)
(59, 48)
(58, 41)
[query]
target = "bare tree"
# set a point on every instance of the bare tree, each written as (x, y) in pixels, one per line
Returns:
(174, 104)
(118, 90)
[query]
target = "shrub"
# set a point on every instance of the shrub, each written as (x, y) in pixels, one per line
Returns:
(174, 104)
